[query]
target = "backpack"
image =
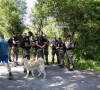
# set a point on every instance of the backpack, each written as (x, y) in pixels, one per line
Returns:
(10, 42)
(22, 44)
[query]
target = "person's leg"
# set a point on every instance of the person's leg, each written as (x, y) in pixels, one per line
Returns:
(61, 58)
(70, 56)
(53, 54)
(34, 54)
(5, 61)
(8, 67)
(13, 55)
(17, 55)
(46, 56)
(70, 61)
(42, 53)
(26, 54)
(57, 54)
(39, 53)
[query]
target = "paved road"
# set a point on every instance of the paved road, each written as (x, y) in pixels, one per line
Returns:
(57, 79)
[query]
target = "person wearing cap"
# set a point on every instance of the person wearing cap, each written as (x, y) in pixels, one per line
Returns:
(54, 44)
(26, 46)
(15, 49)
(34, 46)
(60, 48)
(69, 52)
(40, 43)
(4, 54)
(46, 49)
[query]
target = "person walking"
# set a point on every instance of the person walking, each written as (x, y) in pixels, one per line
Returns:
(4, 53)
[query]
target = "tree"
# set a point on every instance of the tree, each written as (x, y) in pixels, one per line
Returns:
(11, 16)
(83, 19)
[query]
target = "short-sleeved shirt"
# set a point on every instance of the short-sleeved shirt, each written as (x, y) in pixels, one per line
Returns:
(34, 40)
(3, 48)
(26, 40)
(15, 39)
(47, 41)
(41, 41)
(61, 44)
(55, 44)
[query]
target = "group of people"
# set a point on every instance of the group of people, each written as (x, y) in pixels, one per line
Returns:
(40, 46)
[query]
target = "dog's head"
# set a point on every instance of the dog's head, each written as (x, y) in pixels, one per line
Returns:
(40, 59)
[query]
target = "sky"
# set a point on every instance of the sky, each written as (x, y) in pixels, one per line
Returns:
(30, 4)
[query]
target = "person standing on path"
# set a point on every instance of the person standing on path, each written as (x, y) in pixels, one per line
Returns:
(53, 45)
(40, 43)
(46, 52)
(15, 49)
(69, 52)
(25, 44)
(4, 53)
(60, 48)
(34, 46)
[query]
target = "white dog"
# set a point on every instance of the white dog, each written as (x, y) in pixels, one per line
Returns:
(31, 65)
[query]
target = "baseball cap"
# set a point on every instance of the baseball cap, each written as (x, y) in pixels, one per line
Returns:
(68, 35)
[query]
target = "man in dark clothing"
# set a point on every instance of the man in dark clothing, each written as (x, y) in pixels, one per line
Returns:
(61, 52)
(34, 46)
(54, 44)
(26, 47)
(15, 49)
(40, 43)
(46, 50)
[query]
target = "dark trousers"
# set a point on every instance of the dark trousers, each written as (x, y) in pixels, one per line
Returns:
(53, 54)
(34, 54)
(46, 55)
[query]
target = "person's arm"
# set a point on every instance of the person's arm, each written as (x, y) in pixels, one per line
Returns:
(44, 44)
(27, 45)
(15, 42)
(9, 53)
(33, 44)
(71, 44)
(37, 44)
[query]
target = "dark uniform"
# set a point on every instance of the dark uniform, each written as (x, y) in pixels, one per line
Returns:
(34, 48)
(14, 50)
(41, 42)
(46, 51)
(26, 50)
(69, 52)
(61, 53)
(54, 51)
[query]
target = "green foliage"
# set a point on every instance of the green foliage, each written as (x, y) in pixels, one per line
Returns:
(11, 19)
